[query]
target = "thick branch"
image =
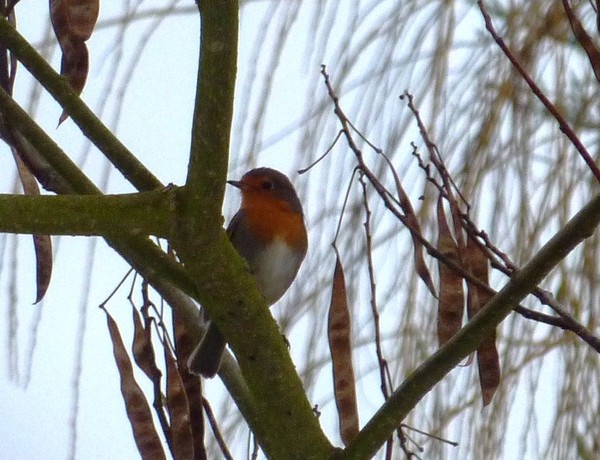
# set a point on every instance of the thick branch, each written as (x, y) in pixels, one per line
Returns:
(212, 262)
(213, 113)
(146, 213)
(235, 304)
(426, 376)
(57, 172)
(49, 163)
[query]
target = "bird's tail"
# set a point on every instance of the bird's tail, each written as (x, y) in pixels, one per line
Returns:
(206, 358)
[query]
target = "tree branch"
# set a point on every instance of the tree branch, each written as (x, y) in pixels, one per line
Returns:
(234, 303)
(212, 266)
(58, 173)
(46, 160)
(133, 170)
(466, 341)
(584, 39)
(146, 213)
(49, 163)
(213, 113)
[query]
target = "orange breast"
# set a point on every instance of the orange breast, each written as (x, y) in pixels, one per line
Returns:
(272, 218)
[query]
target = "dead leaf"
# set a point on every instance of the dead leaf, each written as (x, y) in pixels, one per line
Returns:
(42, 243)
(488, 360)
(179, 413)
(73, 22)
(340, 346)
(143, 351)
(136, 406)
(414, 227)
(451, 302)
(184, 346)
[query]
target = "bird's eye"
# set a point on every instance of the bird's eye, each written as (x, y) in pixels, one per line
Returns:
(267, 185)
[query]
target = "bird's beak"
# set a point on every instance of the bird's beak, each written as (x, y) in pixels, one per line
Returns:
(236, 183)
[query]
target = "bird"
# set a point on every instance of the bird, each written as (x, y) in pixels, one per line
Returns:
(269, 233)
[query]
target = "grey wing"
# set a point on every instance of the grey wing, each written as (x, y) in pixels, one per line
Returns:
(234, 223)
(243, 240)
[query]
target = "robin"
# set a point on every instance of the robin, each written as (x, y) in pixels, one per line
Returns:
(268, 231)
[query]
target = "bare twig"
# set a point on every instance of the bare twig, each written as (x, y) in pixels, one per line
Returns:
(584, 39)
(499, 260)
(429, 435)
(339, 225)
(468, 339)
(563, 321)
(215, 429)
(374, 310)
(562, 122)
(318, 160)
(438, 162)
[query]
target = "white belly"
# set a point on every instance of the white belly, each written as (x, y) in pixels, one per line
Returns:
(277, 266)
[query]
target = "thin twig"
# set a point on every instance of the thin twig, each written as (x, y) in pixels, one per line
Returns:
(432, 371)
(565, 322)
(339, 225)
(117, 287)
(408, 219)
(449, 184)
(584, 40)
(499, 260)
(374, 310)
(318, 160)
(562, 122)
(212, 421)
(429, 435)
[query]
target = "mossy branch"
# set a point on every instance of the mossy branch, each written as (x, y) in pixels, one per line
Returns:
(91, 126)
(146, 213)
(214, 273)
(235, 304)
